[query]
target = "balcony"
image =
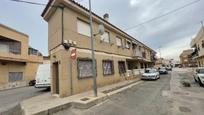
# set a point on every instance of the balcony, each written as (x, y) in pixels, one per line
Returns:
(137, 53)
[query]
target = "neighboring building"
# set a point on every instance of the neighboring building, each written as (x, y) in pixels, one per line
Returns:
(46, 60)
(162, 62)
(115, 51)
(18, 61)
(186, 58)
(198, 45)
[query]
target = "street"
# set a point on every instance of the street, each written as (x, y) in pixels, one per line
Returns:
(143, 99)
(165, 96)
(9, 97)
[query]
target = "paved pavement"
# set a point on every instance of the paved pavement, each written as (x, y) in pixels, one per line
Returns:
(143, 99)
(12, 96)
(185, 100)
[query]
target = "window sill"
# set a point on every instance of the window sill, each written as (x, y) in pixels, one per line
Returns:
(108, 75)
(84, 35)
(83, 78)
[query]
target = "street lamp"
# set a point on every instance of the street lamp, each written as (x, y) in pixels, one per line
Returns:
(100, 31)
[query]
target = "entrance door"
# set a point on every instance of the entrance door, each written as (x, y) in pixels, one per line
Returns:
(56, 78)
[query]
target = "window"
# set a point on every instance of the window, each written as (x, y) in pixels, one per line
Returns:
(108, 67)
(202, 43)
(128, 44)
(121, 67)
(118, 41)
(32, 51)
(84, 68)
(105, 37)
(15, 76)
(83, 28)
(10, 46)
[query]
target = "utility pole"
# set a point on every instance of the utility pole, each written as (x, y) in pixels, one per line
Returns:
(160, 51)
(92, 52)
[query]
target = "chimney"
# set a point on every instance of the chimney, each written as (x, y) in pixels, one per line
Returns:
(106, 16)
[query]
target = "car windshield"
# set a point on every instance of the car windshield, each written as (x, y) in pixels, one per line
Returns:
(200, 70)
(150, 71)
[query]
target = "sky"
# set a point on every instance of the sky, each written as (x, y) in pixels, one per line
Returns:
(171, 34)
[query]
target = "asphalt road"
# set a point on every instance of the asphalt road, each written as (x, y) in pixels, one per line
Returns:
(9, 97)
(143, 99)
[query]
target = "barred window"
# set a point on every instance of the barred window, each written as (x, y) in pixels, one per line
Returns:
(15, 47)
(108, 67)
(15, 76)
(121, 67)
(84, 68)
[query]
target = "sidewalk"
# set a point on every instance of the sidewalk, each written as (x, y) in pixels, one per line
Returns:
(184, 100)
(46, 104)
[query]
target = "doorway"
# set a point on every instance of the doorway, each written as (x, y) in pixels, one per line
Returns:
(55, 78)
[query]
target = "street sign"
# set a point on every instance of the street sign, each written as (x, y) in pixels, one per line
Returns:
(73, 54)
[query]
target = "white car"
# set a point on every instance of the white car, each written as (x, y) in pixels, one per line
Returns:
(199, 76)
(163, 70)
(150, 73)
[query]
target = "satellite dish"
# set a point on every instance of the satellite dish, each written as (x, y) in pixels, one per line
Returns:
(101, 29)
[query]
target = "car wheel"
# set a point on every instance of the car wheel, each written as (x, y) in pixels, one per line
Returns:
(199, 81)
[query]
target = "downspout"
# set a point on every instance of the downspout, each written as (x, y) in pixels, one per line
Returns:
(62, 24)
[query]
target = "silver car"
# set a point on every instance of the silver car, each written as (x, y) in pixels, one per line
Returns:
(150, 73)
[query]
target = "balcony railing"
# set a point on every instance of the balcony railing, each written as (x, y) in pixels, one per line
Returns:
(137, 53)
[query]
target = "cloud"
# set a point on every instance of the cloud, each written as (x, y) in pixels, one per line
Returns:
(173, 49)
(174, 30)
(134, 2)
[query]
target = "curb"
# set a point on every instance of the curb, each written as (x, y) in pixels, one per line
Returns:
(89, 103)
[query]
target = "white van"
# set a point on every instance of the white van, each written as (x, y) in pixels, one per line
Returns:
(43, 76)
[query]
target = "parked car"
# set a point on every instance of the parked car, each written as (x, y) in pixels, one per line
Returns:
(169, 68)
(43, 77)
(163, 70)
(199, 76)
(32, 83)
(150, 73)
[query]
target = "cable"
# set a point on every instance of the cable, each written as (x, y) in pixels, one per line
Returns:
(155, 18)
(36, 3)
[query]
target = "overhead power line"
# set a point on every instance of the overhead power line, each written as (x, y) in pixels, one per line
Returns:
(168, 13)
(135, 26)
(34, 3)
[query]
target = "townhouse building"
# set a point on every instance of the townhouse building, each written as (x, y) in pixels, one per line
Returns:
(186, 59)
(117, 54)
(197, 44)
(18, 61)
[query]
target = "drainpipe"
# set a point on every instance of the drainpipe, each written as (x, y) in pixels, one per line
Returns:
(62, 24)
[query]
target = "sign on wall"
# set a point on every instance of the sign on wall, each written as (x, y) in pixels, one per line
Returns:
(73, 54)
